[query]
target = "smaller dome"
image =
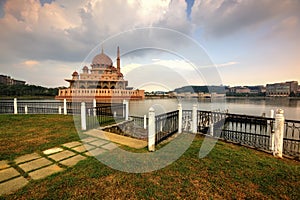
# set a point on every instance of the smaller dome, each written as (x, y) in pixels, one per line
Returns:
(85, 68)
(75, 73)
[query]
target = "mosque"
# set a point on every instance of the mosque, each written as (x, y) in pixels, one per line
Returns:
(102, 82)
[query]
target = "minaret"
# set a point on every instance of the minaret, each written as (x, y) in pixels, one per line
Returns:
(118, 60)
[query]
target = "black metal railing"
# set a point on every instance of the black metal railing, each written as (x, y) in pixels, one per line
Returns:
(186, 120)
(139, 121)
(109, 114)
(42, 107)
(247, 130)
(291, 138)
(6, 107)
(165, 125)
(33, 107)
(205, 118)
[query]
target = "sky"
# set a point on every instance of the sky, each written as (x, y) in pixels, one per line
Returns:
(164, 44)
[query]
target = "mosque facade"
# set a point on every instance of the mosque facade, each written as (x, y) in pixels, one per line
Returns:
(102, 81)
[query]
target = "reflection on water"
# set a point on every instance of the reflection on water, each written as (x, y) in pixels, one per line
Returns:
(248, 106)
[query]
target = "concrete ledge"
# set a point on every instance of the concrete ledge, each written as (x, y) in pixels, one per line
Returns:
(127, 141)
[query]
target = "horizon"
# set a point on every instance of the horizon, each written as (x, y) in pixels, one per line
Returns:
(44, 41)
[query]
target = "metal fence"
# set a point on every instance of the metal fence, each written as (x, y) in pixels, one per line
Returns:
(41, 107)
(165, 125)
(6, 107)
(248, 130)
(187, 120)
(291, 138)
(103, 115)
(139, 121)
(205, 118)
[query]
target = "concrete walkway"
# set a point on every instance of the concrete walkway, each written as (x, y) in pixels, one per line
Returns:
(15, 175)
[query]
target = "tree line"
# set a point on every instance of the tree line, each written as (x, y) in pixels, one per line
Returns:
(26, 90)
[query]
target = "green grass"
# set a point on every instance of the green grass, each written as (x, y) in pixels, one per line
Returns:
(228, 172)
(22, 134)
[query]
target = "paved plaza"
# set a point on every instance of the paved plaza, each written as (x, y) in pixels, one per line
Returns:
(17, 173)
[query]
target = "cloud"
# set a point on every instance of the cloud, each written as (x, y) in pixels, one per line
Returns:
(68, 30)
(29, 63)
(220, 18)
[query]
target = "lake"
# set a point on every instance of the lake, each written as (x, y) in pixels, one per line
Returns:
(248, 106)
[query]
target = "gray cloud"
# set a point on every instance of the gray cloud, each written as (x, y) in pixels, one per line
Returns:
(224, 17)
(30, 31)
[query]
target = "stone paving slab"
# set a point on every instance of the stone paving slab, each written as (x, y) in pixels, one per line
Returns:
(52, 150)
(35, 164)
(80, 149)
(4, 164)
(62, 155)
(72, 161)
(12, 185)
(88, 153)
(27, 157)
(99, 143)
(72, 144)
(89, 147)
(89, 139)
(109, 146)
(44, 172)
(8, 173)
(93, 133)
(97, 151)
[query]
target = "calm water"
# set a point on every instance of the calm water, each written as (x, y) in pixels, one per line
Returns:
(248, 106)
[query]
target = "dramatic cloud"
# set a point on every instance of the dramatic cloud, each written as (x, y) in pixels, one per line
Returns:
(224, 17)
(47, 38)
(68, 30)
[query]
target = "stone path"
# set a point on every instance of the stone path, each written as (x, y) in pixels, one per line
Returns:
(16, 174)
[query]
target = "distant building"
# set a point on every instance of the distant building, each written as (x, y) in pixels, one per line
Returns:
(257, 89)
(102, 82)
(282, 89)
(239, 90)
(7, 80)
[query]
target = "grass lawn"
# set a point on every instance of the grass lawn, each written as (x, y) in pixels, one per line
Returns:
(22, 134)
(228, 172)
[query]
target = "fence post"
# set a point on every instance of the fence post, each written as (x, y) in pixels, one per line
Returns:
(145, 121)
(125, 102)
(26, 109)
(279, 130)
(194, 119)
(59, 110)
(272, 135)
(211, 129)
(15, 106)
(271, 113)
(94, 106)
(65, 106)
(179, 118)
(151, 130)
(83, 116)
